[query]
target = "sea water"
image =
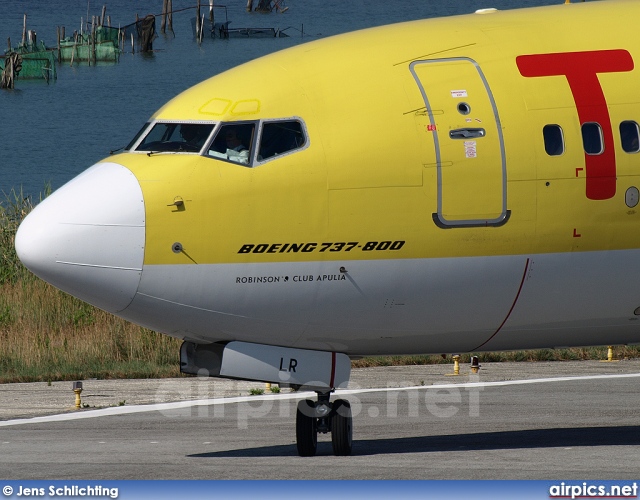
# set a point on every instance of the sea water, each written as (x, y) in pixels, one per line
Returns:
(49, 133)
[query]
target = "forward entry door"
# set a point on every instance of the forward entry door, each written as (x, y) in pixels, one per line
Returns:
(470, 157)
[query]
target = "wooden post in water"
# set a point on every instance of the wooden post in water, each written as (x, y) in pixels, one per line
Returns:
(249, 5)
(167, 15)
(89, 40)
(163, 23)
(24, 30)
(73, 50)
(88, 43)
(6, 76)
(11, 73)
(133, 50)
(91, 45)
(58, 35)
(198, 22)
(9, 44)
(211, 15)
(104, 13)
(9, 68)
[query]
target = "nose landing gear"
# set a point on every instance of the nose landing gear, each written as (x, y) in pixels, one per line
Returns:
(323, 416)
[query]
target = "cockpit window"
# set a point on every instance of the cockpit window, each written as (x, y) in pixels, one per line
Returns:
(279, 137)
(233, 142)
(176, 137)
(244, 143)
(236, 141)
(138, 135)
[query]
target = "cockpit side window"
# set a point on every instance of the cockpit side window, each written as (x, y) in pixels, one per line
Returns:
(279, 137)
(233, 142)
(251, 143)
(176, 137)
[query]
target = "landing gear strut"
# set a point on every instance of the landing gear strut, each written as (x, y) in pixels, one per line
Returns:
(323, 416)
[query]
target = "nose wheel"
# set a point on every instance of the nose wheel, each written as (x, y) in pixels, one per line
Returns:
(322, 416)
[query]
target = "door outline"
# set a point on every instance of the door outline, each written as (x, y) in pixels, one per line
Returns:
(438, 217)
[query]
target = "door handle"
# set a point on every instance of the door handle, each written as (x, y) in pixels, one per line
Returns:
(467, 133)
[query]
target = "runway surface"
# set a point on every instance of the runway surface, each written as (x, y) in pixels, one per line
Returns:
(562, 420)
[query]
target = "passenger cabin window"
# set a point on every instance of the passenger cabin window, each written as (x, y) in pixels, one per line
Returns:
(592, 138)
(233, 142)
(280, 137)
(630, 136)
(176, 137)
(553, 140)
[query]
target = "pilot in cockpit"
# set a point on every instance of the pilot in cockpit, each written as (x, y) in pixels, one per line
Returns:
(231, 142)
(194, 135)
(236, 151)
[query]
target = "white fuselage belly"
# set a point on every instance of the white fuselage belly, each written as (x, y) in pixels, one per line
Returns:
(399, 306)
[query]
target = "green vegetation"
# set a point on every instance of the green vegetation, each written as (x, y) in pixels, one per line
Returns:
(12, 210)
(573, 354)
(48, 335)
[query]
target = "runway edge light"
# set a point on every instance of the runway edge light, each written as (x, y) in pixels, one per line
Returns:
(77, 388)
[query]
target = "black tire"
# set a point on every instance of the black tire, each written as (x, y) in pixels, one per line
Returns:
(341, 428)
(306, 429)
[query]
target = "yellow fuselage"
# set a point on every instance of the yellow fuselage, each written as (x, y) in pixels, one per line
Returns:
(425, 210)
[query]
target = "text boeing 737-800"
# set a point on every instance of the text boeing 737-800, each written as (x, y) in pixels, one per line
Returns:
(447, 185)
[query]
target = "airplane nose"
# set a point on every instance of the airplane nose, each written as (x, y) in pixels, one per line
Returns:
(87, 238)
